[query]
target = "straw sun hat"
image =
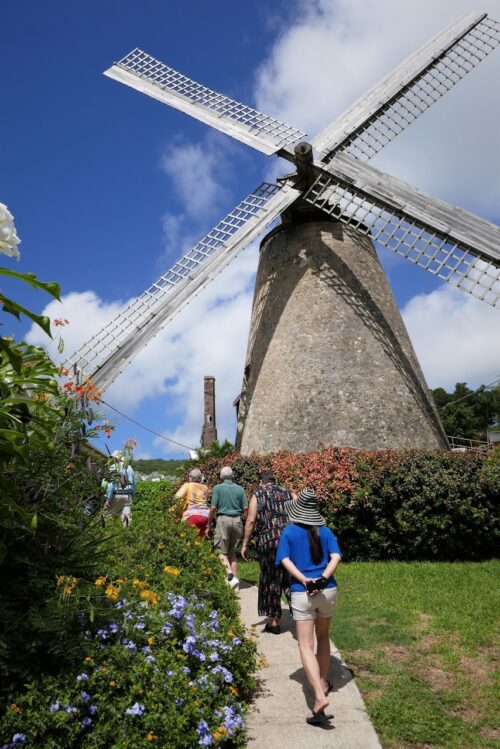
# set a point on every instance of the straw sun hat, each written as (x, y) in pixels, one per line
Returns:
(304, 509)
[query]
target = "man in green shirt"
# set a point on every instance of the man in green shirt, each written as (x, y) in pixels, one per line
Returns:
(230, 504)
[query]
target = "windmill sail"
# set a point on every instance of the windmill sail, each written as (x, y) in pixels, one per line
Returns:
(397, 100)
(451, 243)
(150, 76)
(112, 348)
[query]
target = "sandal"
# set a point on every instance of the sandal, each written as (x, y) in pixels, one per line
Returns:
(274, 629)
(316, 718)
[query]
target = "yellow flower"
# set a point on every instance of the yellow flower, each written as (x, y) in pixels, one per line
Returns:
(15, 708)
(138, 584)
(171, 571)
(160, 546)
(100, 581)
(59, 580)
(120, 581)
(89, 658)
(67, 590)
(112, 683)
(233, 690)
(112, 592)
(152, 737)
(150, 640)
(150, 597)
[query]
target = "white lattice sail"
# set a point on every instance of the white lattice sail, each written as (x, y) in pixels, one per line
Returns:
(152, 77)
(397, 100)
(105, 355)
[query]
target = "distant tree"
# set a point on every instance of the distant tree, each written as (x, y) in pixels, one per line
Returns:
(468, 413)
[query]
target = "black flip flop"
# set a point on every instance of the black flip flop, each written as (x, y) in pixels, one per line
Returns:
(329, 688)
(316, 719)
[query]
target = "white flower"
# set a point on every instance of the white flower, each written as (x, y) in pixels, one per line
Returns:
(8, 237)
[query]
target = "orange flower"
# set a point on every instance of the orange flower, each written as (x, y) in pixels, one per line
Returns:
(15, 708)
(112, 683)
(152, 737)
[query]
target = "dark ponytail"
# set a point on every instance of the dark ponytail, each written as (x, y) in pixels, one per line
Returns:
(315, 544)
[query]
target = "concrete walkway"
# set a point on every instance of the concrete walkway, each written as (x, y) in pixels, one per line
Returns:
(277, 717)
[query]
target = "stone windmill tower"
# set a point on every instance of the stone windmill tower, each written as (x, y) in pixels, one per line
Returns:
(328, 359)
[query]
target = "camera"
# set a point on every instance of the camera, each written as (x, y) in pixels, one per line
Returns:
(318, 584)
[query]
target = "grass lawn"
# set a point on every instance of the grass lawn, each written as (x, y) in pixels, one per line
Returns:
(422, 640)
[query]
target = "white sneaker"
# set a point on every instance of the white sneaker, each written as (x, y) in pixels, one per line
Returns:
(233, 581)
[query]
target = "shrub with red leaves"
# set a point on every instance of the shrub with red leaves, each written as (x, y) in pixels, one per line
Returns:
(405, 505)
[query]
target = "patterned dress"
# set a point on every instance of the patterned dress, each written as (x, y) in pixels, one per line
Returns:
(271, 520)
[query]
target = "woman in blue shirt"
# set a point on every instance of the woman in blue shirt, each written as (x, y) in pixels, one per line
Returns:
(311, 554)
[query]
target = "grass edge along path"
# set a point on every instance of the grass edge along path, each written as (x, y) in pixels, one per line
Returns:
(421, 639)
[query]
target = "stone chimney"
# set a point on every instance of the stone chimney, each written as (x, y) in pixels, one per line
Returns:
(209, 431)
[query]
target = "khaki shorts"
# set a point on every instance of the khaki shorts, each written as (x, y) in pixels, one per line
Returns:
(321, 605)
(228, 533)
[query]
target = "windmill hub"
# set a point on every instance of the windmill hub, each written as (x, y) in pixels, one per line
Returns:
(305, 165)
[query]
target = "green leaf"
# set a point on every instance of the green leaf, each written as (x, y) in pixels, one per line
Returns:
(50, 287)
(34, 522)
(15, 359)
(60, 345)
(9, 305)
(92, 614)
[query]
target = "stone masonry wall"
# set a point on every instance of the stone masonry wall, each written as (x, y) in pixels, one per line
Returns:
(329, 359)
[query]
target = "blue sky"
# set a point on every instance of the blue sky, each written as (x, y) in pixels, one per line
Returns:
(108, 187)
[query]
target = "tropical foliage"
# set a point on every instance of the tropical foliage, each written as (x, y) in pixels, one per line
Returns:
(164, 660)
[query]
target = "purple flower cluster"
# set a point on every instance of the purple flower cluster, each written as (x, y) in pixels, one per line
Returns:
(226, 675)
(232, 719)
(17, 740)
(204, 735)
(137, 709)
(179, 604)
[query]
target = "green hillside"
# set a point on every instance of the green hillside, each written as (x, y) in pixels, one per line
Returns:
(157, 465)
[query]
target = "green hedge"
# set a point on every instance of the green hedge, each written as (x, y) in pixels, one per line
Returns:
(405, 505)
(165, 661)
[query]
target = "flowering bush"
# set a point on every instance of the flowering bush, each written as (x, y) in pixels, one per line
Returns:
(165, 660)
(403, 505)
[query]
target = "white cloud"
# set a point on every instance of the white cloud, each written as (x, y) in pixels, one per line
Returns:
(456, 337)
(86, 313)
(208, 337)
(195, 170)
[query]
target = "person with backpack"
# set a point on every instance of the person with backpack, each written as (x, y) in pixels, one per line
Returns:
(309, 551)
(120, 490)
(267, 519)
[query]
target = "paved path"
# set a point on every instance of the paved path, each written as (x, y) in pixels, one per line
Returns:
(277, 718)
